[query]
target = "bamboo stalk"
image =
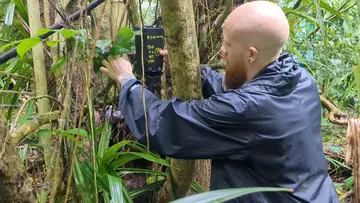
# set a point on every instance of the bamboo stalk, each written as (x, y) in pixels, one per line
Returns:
(40, 73)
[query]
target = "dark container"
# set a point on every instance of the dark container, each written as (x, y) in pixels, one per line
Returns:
(153, 42)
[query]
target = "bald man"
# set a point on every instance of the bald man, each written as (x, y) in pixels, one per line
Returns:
(260, 124)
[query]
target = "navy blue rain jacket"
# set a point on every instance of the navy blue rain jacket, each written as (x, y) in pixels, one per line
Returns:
(266, 133)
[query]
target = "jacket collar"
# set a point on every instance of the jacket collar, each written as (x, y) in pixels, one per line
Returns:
(279, 77)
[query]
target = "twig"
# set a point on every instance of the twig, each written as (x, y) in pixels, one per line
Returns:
(16, 92)
(30, 126)
(335, 115)
(27, 101)
(16, 75)
(143, 88)
(347, 194)
(64, 19)
(12, 53)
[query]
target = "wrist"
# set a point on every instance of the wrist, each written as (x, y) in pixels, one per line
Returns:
(126, 77)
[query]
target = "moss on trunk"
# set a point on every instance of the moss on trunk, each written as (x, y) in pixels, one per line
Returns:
(15, 186)
(180, 33)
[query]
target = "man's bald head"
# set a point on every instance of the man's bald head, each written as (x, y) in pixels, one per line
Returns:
(254, 33)
(259, 24)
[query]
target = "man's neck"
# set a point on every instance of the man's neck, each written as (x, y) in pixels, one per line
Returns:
(253, 71)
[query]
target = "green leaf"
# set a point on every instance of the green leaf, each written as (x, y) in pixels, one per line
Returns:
(52, 44)
(301, 14)
(57, 65)
(43, 132)
(42, 31)
(103, 44)
(348, 183)
(23, 152)
(124, 42)
(123, 171)
(223, 195)
(75, 131)
(327, 7)
(9, 17)
(67, 33)
(29, 110)
(26, 45)
(197, 187)
(10, 44)
(82, 180)
(21, 9)
(125, 33)
(105, 139)
(147, 188)
(122, 160)
(146, 156)
(116, 189)
(111, 152)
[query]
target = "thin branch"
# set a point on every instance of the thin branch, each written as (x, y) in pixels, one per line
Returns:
(15, 75)
(63, 17)
(335, 115)
(75, 16)
(27, 101)
(16, 92)
(30, 126)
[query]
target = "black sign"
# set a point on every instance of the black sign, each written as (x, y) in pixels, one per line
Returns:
(153, 42)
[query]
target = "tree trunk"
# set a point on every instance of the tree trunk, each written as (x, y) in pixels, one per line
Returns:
(54, 162)
(15, 186)
(180, 33)
(117, 18)
(40, 74)
(134, 12)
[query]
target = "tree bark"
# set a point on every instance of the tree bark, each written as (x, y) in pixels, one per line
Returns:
(40, 73)
(54, 167)
(15, 186)
(180, 33)
(134, 12)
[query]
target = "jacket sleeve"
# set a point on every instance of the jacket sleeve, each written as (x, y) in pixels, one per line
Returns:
(186, 129)
(211, 81)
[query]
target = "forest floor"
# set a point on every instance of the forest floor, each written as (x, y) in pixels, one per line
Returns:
(334, 142)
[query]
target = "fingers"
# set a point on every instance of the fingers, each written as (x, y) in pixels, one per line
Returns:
(104, 70)
(106, 64)
(163, 52)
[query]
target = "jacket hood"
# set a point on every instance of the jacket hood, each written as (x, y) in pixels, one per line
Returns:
(278, 78)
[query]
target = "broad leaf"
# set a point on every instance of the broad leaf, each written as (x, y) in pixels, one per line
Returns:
(122, 160)
(123, 171)
(26, 45)
(116, 189)
(111, 152)
(104, 140)
(43, 132)
(348, 184)
(67, 33)
(57, 65)
(9, 14)
(146, 156)
(125, 33)
(42, 31)
(223, 195)
(147, 188)
(52, 43)
(75, 131)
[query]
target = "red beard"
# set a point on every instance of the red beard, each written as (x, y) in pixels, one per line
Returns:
(235, 76)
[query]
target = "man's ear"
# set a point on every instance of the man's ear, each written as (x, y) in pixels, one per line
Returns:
(253, 54)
